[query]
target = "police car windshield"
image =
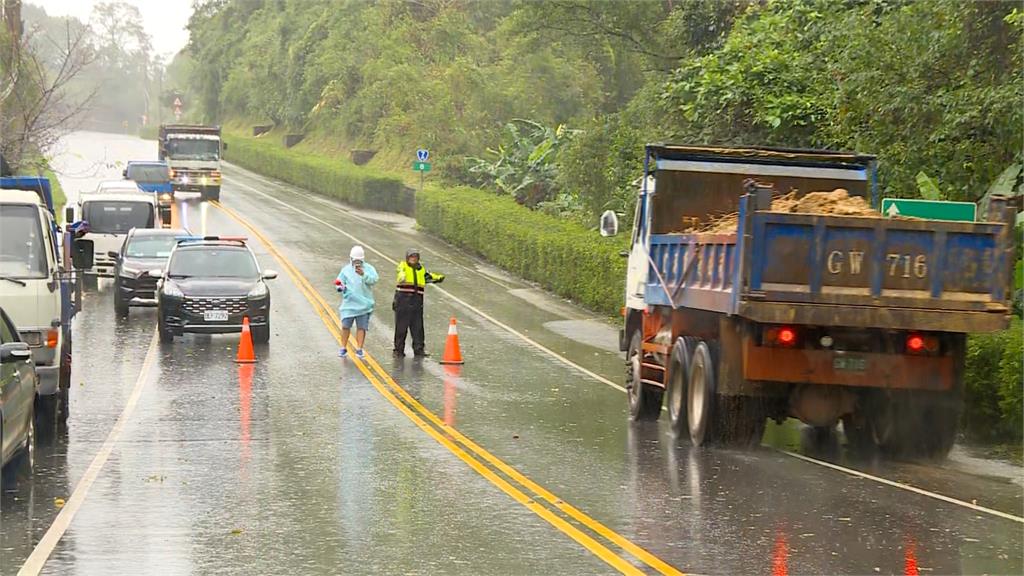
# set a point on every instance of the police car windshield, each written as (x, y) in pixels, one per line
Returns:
(150, 247)
(212, 262)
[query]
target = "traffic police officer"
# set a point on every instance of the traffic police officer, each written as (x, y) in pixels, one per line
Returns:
(408, 304)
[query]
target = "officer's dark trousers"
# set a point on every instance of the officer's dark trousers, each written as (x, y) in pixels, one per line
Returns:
(409, 319)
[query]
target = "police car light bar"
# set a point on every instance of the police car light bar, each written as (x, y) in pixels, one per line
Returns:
(210, 239)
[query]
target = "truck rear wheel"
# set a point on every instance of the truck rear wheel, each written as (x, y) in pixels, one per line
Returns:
(677, 389)
(644, 399)
(700, 398)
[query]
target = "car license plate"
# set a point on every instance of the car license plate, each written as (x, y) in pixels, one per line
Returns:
(215, 315)
(850, 363)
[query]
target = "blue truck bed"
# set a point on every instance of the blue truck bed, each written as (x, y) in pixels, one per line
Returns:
(839, 271)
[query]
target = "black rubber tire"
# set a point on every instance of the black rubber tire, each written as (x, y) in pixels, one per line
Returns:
(166, 336)
(740, 421)
(261, 334)
(644, 399)
(211, 194)
(121, 308)
(46, 415)
(701, 391)
(676, 381)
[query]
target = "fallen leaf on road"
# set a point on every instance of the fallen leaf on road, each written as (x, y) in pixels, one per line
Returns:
(58, 502)
(236, 532)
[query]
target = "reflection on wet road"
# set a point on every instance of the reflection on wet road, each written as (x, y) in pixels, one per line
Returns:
(305, 463)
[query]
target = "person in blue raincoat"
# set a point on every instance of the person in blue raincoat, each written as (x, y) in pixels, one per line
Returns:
(355, 282)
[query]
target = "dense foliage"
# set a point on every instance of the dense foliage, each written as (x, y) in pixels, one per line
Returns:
(931, 87)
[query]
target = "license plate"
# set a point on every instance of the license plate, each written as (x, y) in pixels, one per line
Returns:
(215, 316)
(850, 363)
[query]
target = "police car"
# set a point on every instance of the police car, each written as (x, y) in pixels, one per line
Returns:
(209, 285)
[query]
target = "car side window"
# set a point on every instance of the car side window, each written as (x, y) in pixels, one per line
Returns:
(7, 332)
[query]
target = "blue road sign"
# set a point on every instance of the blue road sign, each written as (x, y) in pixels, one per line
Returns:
(422, 154)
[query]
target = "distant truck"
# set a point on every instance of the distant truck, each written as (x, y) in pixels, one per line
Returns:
(39, 283)
(111, 213)
(193, 153)
(824, 318)
(154, 177)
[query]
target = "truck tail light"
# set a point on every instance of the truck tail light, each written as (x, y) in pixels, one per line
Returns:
(921, 344)
(781, 336)
(51, 339)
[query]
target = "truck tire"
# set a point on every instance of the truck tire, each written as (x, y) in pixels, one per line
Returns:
(64, 382)
(644, 399)
(700, 397)
(211, 194)
(740, 421)
(676, 383)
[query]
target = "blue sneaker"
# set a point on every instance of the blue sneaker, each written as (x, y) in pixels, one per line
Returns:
(343, 353)
(360, 354)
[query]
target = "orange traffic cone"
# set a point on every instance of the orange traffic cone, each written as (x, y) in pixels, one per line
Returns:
(245, 352)
(452, 353)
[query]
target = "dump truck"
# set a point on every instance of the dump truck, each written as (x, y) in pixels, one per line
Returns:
(193, 153)
(825, 317)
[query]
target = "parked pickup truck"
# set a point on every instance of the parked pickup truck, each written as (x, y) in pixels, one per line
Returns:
(825, 318)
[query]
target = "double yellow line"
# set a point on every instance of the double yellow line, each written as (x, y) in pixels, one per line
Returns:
(462, 446)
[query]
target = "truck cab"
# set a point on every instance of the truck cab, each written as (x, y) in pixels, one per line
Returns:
(193, 153)
(111, 214)
(37, 282)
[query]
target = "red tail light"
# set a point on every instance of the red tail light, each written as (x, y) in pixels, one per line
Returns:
(915, 343)
(921, 344)
(51, 339)
(781, 336)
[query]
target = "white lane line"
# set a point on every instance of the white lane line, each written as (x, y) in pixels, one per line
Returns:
(906, 487)
(463, 303)
(604, 380)
(35, 562)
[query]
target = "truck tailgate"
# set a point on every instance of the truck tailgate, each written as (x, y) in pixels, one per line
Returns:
(878, 262)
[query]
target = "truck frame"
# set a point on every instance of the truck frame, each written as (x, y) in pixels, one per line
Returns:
(820, 317)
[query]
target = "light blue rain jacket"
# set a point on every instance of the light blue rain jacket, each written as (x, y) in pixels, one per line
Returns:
(357, 299)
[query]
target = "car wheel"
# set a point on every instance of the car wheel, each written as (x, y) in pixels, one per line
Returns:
(120, 306)
(166, 336)
(261, 334)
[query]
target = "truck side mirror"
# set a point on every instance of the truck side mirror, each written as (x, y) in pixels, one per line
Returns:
(82, 253)
(69, 214)
(609, 223)
(124, 173)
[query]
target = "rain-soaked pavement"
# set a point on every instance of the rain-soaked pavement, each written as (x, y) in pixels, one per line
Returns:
(517, 463)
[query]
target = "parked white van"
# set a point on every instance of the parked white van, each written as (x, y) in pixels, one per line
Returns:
(111, 214)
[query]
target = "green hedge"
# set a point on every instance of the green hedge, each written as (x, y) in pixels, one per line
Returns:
(561, 256)
(995, 410)
(329, 177)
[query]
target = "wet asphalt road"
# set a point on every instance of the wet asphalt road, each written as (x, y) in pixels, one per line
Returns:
(302, 465)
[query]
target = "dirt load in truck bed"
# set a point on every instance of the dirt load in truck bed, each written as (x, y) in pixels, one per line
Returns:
(838, 202)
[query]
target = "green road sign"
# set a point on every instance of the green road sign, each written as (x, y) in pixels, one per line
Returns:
(930, 209)
(421, 166)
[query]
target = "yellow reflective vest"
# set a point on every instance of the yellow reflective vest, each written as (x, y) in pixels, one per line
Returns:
(414, 280)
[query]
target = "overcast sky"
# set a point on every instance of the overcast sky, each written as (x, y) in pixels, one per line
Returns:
(165, 20)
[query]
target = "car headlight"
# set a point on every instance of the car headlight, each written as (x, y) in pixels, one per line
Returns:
(258, 291)
(184, 179)
(171, 289)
